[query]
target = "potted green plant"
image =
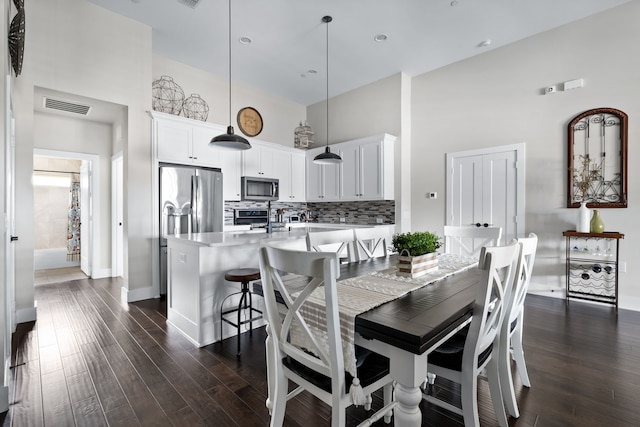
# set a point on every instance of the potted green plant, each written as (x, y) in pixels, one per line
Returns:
(417, 252)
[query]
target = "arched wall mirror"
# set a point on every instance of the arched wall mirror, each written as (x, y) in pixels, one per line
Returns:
(597, 172)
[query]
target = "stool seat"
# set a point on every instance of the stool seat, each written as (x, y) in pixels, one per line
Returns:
(242, 275)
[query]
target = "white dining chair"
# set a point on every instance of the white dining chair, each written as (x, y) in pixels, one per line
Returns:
(469, 240)
(313, 367)
(371, 242)
(511, 330)
(338, 241)
(475, 348)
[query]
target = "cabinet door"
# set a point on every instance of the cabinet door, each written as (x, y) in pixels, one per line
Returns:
(331, 179)
(231, 164)
(201, 152)
(282, 167)
(251, 162)
(174, 142)
(314, 180)
(371, 171)
(267, 155)
(297, 177)
(350, 186)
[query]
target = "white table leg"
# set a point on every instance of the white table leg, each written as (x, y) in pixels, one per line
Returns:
(407, 412)
(409, 370)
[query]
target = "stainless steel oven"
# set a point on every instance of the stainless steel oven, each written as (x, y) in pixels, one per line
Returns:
(250, 217)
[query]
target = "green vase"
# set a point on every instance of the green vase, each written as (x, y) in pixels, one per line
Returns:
(597, 226)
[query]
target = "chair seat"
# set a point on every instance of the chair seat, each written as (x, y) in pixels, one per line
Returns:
(242, 275)
(449, 354)
(371, 368)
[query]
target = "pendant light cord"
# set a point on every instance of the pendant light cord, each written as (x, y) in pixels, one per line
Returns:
(229, 62)
(328, 82)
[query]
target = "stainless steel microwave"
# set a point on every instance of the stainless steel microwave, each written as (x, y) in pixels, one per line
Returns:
(259, 189)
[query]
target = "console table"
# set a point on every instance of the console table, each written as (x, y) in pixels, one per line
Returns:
(592, 266)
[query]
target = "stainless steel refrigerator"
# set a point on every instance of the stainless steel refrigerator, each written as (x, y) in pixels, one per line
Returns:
(190, 202)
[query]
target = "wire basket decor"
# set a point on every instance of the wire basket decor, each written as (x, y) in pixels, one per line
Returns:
(167, 96)
(194, 107)
(303, 136)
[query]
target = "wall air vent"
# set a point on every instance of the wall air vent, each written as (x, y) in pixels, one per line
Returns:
(70, 107)
(191, 3)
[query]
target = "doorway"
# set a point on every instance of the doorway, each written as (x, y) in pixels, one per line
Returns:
(65, 195)
(487, 187)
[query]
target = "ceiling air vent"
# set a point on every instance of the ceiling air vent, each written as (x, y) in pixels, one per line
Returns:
(191, 3)
(70, 107)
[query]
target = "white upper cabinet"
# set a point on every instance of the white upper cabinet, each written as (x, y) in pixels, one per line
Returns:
(366, 171)
(231, 161)
(289, 169)
(258, 161)
(185, 141)
(323, 181)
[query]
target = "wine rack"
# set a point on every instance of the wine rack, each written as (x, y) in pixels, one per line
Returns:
(592, 266)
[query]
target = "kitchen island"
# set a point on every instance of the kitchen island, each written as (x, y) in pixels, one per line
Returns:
(197, 264)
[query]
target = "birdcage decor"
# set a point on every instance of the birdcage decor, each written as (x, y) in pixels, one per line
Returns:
(303, 136)
(194, 107)
(167, 96)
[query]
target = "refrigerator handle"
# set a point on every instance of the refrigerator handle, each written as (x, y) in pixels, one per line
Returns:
(194, 217)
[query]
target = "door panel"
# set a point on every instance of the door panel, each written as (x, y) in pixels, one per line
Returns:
(86, 218)
(487, 187)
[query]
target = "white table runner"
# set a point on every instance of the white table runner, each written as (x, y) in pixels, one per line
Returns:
(360, 294)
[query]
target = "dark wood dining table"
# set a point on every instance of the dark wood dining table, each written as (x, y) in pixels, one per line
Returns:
(407, 329)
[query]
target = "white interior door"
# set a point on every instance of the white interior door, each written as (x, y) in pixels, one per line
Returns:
(486, 188)
(117, 200)
(86, 217)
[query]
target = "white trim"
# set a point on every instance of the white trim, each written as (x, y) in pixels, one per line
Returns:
(114, 214)
(96, 184)
(101, 273)
(127, 296)
(4, 396)
(24, 315)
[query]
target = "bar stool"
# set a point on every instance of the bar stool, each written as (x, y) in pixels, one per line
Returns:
(243, 276)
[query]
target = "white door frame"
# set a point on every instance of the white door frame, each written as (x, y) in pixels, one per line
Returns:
(520, 150)
(86, 218)
(117, 204)
(94, 188)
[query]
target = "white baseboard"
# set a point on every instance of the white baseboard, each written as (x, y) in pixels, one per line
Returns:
(101, 274)
(24, 315)
(44, 259)
(127, 296)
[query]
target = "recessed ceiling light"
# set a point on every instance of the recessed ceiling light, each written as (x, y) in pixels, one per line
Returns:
(245, 40)
(312, 71)
(454, 2)
(484, 43)
(380, 37)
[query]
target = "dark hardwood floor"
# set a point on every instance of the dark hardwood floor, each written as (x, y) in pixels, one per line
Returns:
(89, 361)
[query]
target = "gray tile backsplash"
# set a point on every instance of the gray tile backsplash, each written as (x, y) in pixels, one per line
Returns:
(366, 212)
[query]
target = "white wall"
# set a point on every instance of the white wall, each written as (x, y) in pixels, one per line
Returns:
(5, 342)
(76, 47)
(280, 116)
(495, 99)
(53, 132)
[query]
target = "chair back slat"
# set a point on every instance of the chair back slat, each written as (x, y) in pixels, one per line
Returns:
(468, 240)
(320, 270)
(497, 265)
(338, 241)
(371, 242)
(522, 277)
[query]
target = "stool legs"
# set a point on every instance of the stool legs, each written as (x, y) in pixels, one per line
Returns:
(244, 304)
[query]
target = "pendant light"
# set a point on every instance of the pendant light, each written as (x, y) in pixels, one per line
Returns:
(230, 140)
(327, 158)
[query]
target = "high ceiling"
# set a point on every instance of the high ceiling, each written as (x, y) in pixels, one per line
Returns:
(288, 38)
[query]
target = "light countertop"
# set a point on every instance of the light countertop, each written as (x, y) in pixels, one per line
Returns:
(241, 237)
